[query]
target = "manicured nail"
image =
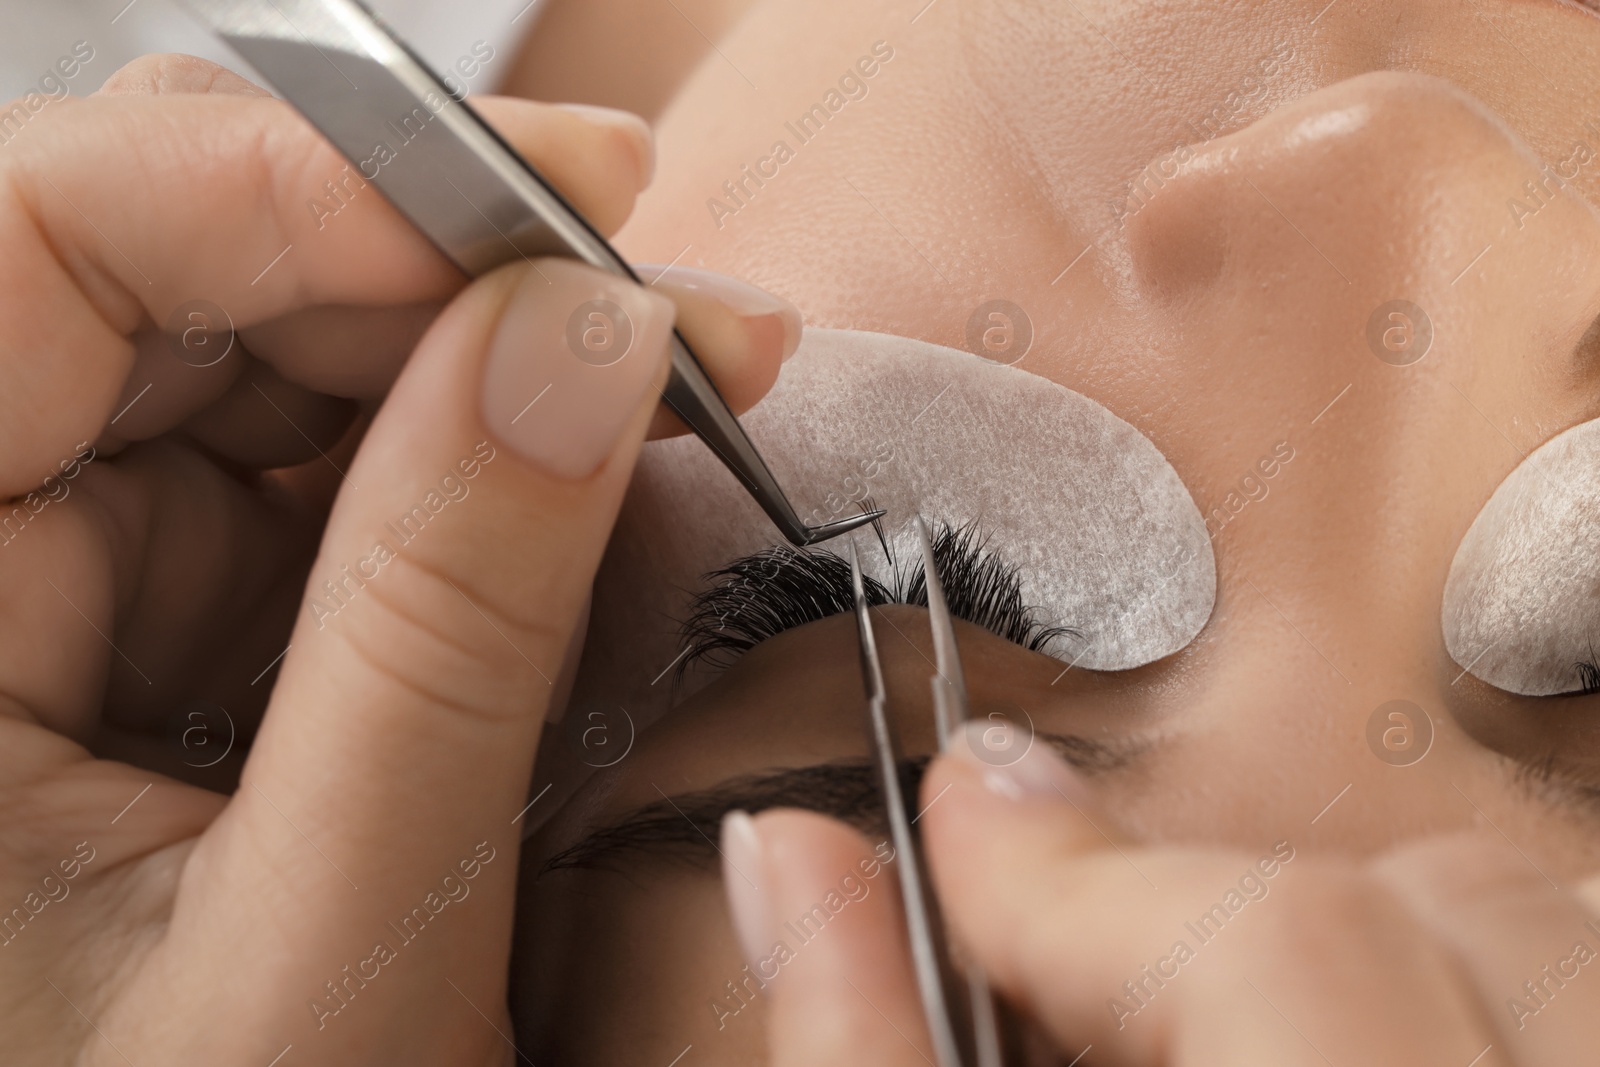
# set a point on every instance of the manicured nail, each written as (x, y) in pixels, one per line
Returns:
(743, 299)
(1018, 766)
(636, 128)
(1588, 892)
(575, 355)
(743, 874)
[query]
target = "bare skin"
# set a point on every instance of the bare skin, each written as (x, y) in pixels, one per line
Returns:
(617, 53)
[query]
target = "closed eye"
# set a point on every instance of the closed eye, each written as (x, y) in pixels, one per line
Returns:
(759, 596)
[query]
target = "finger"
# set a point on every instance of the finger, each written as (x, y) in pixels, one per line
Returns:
(740, 334)
(401, 733)
(156, 75)
(265, 422)
(238, 203)
(136, 588)
(176, 74)
(347, 351)
(1243, 959)
(600, 158)
(343, 351)
(161, 389)
(819, 917)
(1525, 943)
(250, 416)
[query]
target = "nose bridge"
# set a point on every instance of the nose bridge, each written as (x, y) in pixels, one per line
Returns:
(1396, 338)
(1391, 232)
(1383, 178)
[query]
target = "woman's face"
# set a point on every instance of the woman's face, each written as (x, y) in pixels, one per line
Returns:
(1200, 209)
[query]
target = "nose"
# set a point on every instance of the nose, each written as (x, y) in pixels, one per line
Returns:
(1383, 296)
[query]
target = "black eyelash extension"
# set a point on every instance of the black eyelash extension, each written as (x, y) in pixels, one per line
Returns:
(779, 588)
(1588, 673)
(981, 588)
(1588, 676)
(762, 595)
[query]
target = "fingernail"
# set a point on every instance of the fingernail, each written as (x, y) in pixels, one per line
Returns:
(574, 356)
(743, 299)
(743, 873)
(1018, 766)
(636, 128)
(1588, 892)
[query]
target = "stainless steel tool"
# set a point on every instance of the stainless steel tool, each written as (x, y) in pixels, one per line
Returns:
(460, 184)
(957, 1003)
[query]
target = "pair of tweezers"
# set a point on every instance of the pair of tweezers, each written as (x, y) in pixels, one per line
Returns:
(959, 1008)
(460, 184)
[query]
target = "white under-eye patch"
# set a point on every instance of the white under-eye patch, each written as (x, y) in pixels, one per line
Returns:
(1108, 539)
(1522, 602)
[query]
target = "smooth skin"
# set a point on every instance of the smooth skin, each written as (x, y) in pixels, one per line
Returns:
(168, 923)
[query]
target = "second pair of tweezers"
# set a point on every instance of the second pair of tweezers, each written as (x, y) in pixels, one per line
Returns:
(460, 184)
(959, 1008)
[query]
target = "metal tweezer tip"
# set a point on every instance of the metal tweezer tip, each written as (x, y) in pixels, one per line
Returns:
(814, 534)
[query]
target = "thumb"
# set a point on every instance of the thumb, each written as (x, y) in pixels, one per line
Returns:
(456, 563)
(819, 916)
(1025, 864)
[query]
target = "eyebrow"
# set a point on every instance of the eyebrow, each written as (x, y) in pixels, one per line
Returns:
(684, 828)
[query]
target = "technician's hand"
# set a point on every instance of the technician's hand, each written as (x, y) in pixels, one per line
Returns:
(1266, 959)
(353, 898)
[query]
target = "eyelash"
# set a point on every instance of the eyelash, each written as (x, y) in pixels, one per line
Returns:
(1588, 677)
(760, 596)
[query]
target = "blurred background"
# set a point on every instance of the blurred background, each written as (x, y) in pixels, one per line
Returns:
(34, 34)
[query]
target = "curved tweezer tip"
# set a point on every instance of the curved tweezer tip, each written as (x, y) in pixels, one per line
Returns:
(815, 534)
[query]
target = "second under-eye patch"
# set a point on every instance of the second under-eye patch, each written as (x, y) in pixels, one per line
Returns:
(1522, 602)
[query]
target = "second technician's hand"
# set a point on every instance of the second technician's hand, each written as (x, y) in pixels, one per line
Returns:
(352, 899)
(1428, 955)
